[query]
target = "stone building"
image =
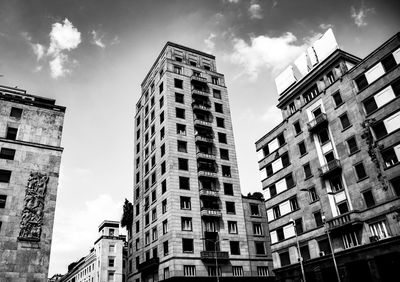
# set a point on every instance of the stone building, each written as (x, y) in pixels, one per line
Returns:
(188, 218)
(105, 261)
(332, 167)
(30, 156)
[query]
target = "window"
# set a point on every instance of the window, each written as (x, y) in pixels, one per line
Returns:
(165, 226)
(161, 102)
(360, 171)
(379, 229)
(180, 113)
(343, 207)
(153, 195)
(352, 145)
(235, 247)
(110, 262)
(16, 113)
(361, 82)
(161, 117)
(161, 87)
(153, 178)
(318, 218)
(178, 83)
(369, 198)
(222, 138)
(147, 219)
(395, 182)
(218, 108)
(313, 194)
(284, 258)
(183, 164)
(177, 69)
(214, 80)
(7, 154)
(165, 247)
(224, 154)
(181, 129)
(216, 94)
(182, 146)
(260, 250)
(237, 270)
(164, 206)
(179, 98)
(3, 199)
(262, 271)
(305, 252)
(226, 171)
(254, 210)
(389, 63)
(11, 133)
(344, 120)
(185, 203)
(230, 207)
(350, 240)
(212, 271)
(297, 127)
(307, 171)
(184, 183)
(178, 59)
(137, 209)
(232, 227)
(293, 204)
(166, 273)
(162, 133)
(311, 94)
(390, 156)
(302, 148)
(292, 108)
(189, 270)
(186, 223)
(164, 186)
(298, 225)
(257, 229)
(110, 276)
(337, 98)
(323, 136)
(5, 176)
(228, 189)
(220, 122)
(330, 77)
(154, 214)
(187, 245)
(192, 63)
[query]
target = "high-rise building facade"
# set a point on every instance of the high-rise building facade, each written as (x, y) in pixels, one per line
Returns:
(105, 261)
(30, 157)
(188, 214)
(331, 171)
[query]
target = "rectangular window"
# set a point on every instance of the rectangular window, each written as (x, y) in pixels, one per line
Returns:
(183, 164)
(162, 133)
(177, 69)
(230, 207)
(186, 223)
(343, 207)
(391, 156)
(260, 249)
(222, 138)
(224, 154)
(161, 102)
(5, 176)
(185, 203)
(302, 148)
(216, 94)
(360, 171)
(16, 113)
(284, 258)
(305, 252)
(318, 218)
(226, 171)
(232, 227)
(254, 210)
(313, 195)
(352, 145)
(164, 206)
(228, 189)
(161, 87)
(379, 230)
(187, 245)
(262, 271)
(307, 171)
(161, 117)
(218, 108)
(220, 122)
(180, 113)
(369, 198)
(178, 83)
(389, 63)
(3, 199)
(297, 127)
(11, 133)
(165, 247)
(182, 146)
(212, 271)
(323, 136)
(235, 248)
(6, 153)
(337, 98)
(165, 226)
(184, 183)
(344, 120)
(257, 229)
(110, 262)
(181, 129)
(237, 270)
(350, 240)
(189, 270)
(298, 225)
(179, 98)
(163, 186)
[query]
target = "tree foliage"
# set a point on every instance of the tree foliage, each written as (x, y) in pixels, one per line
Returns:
(127, 214)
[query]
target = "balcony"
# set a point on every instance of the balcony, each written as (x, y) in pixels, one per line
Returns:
(198, 78)
(205, 156)
(149, 265)
(210, 212)
(206, 173)
(207, 139)
(203, 107)
(209, 193)
(203, 122)
(212, 255)
(200, 92)
(344, 220)
(317, 123)
(330, 168)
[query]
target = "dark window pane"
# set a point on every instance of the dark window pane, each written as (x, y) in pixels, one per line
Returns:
(389, 63)
(361, 82)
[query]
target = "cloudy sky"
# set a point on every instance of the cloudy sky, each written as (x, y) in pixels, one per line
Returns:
(92, 56)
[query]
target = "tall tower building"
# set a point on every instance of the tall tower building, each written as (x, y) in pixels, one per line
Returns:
(188, 211)
(30, 156)
(330, 170)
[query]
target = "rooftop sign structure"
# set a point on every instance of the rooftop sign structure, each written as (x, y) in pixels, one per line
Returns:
(308, 60)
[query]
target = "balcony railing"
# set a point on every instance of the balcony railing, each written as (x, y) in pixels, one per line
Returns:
(212, 255)
(200, 92)
(206, 156)
(207, 173)
(330, 167)
(149, 264)
(209, 193)
(208, 139)
(203, 107)
(349, 218)
(198, 78)
(317, 122)
(211, 212)
(203, 122)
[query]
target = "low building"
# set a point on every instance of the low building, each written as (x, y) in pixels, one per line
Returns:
(105, 262)
(330, 170)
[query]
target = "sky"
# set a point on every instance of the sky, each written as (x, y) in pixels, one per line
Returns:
(92, 55)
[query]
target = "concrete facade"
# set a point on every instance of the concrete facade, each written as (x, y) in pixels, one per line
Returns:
(186, 187)
(351, 186)
(30, 138)
(105, 260)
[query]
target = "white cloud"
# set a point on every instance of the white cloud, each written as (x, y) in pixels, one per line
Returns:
(233, 1)
(76, 229)
(359, 16)
(115, 41)
(209, 41)
(272, 53)
(255, 10)
(57, 66)
(39, 50)
(98, 39)
(325, 26)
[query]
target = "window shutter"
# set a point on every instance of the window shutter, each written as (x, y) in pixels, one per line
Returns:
(280, 186)
(374, 73)
(384, 96)
(285, 208)
(392, 123)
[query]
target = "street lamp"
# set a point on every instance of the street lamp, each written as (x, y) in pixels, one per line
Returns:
(298, 250)
(215, 253)
(327, 233)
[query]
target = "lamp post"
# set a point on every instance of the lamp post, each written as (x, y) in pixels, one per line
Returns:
(215, 253)
(327, 233)
(298, 250)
